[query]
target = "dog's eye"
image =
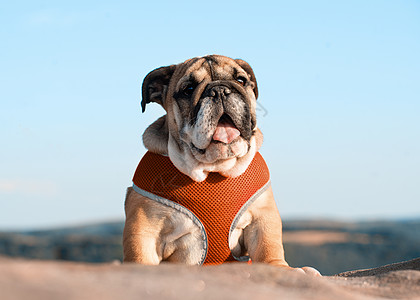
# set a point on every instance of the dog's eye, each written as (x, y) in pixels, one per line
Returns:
(188, 90)
(241, 80)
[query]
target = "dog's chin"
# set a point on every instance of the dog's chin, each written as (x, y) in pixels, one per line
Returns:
(229, 160)
(217, 151)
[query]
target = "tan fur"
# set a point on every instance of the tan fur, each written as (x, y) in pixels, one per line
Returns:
(153, 232)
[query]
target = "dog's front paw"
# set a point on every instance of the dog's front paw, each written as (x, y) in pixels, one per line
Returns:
(308, 271)
(304, 270)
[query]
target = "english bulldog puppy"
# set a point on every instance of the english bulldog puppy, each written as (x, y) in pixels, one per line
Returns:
(201, 195)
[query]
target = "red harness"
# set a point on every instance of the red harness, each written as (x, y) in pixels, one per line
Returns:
(214, 204)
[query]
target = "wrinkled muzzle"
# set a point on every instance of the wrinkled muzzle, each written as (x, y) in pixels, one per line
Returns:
(222, 115)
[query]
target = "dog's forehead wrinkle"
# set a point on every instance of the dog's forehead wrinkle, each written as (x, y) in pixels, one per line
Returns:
(210, 64)
(195, 74)
(200, 74)
(224, 72)
(235, 72)
(197, 64)
(212, 58)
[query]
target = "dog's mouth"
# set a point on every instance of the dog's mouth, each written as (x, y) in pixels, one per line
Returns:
(226, 132)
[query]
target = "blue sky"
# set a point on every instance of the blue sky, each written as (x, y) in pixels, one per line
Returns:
(338, 80)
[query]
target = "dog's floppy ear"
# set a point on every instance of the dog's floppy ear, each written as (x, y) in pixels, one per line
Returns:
(244, 65)
(155, 85)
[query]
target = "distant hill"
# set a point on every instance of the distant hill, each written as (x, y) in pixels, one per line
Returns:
(329, 246)
(350, 246)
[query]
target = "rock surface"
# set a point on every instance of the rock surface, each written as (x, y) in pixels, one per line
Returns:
(26, 279)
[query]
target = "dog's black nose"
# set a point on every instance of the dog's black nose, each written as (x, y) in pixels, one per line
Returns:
(219, 91)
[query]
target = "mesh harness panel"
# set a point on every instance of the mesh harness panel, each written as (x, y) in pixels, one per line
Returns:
(217, 202)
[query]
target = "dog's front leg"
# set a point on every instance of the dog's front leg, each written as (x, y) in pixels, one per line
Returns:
(141, 236)
(263, 236)
(140, 249)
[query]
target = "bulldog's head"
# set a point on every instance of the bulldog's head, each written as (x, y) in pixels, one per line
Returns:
(210, 125)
